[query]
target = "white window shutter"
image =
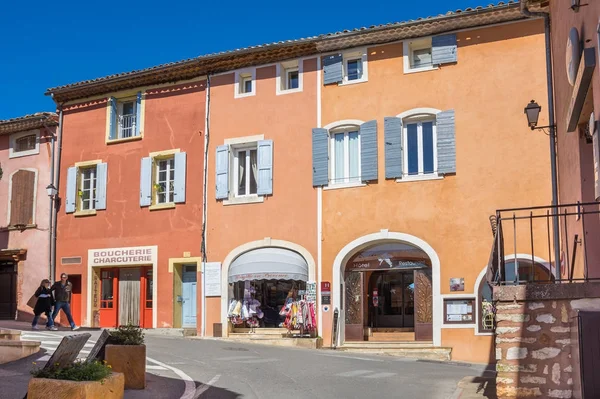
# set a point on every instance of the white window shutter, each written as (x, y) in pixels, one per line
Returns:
(265, 167)
(146, 182)
(71, 190)
(179, 183)
(112, 119)
(138, 113)
(222, 170)
(101, 178)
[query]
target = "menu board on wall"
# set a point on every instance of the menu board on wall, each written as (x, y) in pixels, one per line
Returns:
(311, 291)
(212, 279)
(459, 311)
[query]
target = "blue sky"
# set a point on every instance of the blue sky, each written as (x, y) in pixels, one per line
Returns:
(47, 44)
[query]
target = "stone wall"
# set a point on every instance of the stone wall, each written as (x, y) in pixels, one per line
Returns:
(534, 351)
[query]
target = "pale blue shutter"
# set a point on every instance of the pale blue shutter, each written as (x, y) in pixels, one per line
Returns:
(393, 147)
(443, 49)
(368, 151)
(179, 182)
(146, 182)
(101, 178)
(222, 171)
(265, 167)
(112, 120)
(71, 190)
(138, 113)
(332, 69)
(446, 142)
(320, 157)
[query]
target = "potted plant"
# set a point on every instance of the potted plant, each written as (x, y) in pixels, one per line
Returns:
(488, 311)
(126, 353)
(86, 380)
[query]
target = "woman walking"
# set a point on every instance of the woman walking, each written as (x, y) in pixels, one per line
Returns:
(43, 305)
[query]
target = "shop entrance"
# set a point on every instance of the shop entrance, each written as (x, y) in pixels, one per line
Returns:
(188, 291)
(388, 294)
(393, 303)
(8, 290)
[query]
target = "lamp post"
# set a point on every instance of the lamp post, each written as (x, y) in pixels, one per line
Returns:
(532, 111)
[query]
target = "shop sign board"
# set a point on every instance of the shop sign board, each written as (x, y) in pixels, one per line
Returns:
(212, 279)
(387, 264)
(123, 256)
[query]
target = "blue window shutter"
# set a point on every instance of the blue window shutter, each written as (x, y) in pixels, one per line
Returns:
(112, 103)
(146, 182)
(138, 113)
(368, 151)
(320, 157)
(332, 69)
(265, 167)
(446, 142)
(222, 170)
(443, 49)
(101, 178)
(179, 183)
(393, 147)
(71, 189)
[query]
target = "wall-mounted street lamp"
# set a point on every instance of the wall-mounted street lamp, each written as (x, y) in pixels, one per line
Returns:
(51, 190)
(532, 111)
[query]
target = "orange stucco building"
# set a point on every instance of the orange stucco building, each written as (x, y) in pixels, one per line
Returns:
(344, 173)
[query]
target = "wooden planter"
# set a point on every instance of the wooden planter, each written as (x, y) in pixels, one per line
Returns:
(129, 360)
(110, 388)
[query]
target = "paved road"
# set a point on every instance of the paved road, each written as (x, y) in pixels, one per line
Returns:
(193, 368)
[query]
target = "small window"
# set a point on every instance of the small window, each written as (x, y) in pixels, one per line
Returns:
(245, 171)
(418, 55)
(25, 143)
(354, 69)
(87, 189)
(164, 180)
(149, 284)
(345, 155)
(289, 77)
(107, 290)
(420, 146)
(292, 78)
(246, 85)
(127, 119)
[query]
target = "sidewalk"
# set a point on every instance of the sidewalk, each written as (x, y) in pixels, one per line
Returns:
(476, 388)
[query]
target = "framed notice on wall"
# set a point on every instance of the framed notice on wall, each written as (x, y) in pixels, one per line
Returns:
(212, 279)
(459, 311)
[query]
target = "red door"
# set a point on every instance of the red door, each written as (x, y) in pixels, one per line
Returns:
(75, 280)
(146, 302)
(109, 291)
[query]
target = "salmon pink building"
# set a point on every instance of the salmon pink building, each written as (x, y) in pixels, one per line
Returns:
(27, 147)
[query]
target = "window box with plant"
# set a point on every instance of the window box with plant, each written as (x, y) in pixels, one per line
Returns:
(126, 353)
(86, 380)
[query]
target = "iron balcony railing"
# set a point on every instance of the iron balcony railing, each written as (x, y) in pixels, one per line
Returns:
(127, 126)
(523, 247)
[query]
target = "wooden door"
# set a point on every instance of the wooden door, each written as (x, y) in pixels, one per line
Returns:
(75, 280)
(423, 297)
(129, 296)
(188, 293)
(8, 290)
(109, 297)
(353, 306)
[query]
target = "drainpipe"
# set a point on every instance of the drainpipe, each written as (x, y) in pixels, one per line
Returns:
(51, 216)
(550, 86)
(204, 203)
(56, 182)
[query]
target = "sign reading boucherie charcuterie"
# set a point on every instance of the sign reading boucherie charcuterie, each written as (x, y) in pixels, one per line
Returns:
(122, 256)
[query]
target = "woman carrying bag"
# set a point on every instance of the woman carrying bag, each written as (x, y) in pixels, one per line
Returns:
(44, 304)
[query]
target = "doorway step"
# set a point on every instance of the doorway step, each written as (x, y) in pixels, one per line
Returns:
(391, 334)
(273, 337)
(409, 349)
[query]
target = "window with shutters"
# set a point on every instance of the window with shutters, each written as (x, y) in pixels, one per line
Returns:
(87, 188)
(164, 180)
(124, 118)
(420, 142)
(344, 155)
(24, 143)
(245, 171)
(418, 55)
(22, 198)
(245, 84)
(355, 67)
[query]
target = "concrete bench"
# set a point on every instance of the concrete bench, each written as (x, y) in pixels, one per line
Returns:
(13, 335)
(11, 350)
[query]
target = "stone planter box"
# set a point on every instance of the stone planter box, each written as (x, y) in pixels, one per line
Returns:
(111, 388)
(129, 360)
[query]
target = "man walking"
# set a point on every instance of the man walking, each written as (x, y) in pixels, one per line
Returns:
(62, 295)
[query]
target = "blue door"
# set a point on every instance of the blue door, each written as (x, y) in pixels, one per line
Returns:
(189, 297)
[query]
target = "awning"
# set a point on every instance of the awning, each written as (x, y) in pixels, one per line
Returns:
(268, 264)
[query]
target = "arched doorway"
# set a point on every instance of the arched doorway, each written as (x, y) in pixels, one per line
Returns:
(388, 293)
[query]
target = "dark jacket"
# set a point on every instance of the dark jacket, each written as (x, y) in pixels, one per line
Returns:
(62, 293)
(43, 304)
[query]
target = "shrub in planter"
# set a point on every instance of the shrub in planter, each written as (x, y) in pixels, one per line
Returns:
(126, 353)
(84, 380)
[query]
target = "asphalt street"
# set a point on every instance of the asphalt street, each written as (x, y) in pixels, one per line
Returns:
(206, 368)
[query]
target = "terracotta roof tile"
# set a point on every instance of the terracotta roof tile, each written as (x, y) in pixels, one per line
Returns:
(28, 122)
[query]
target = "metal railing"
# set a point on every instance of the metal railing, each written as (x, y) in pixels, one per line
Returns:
(127, 126)
(522, 251)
